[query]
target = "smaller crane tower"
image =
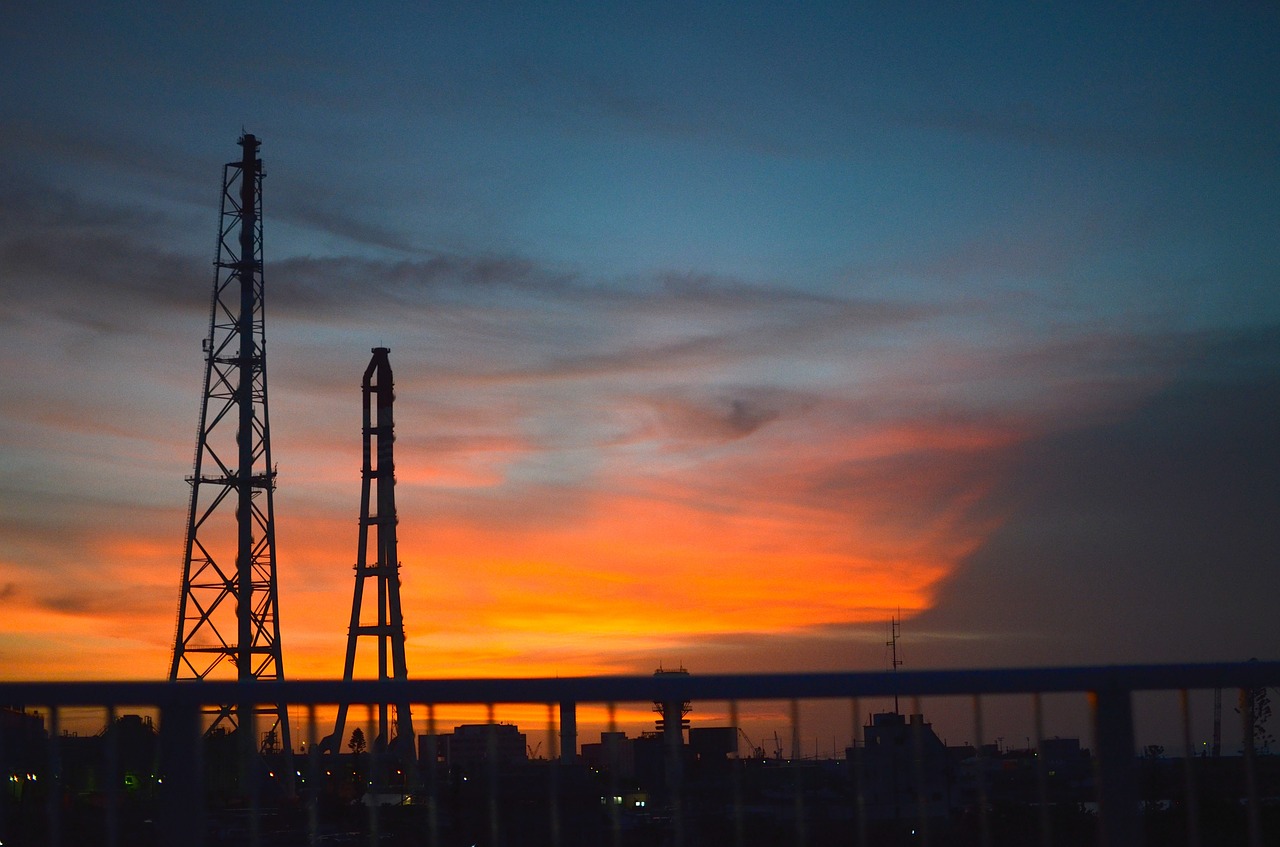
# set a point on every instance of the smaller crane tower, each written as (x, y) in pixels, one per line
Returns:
(383, 566)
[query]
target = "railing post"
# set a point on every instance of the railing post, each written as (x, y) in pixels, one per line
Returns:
(1042, 773)
(1247, 737)
(53, 784)
(491, 777)
(433, 778)
(797, 773)
(1190, 791)
(314, 781)
(980, 764)
(673, 766)
(1118, 821)
(182, 769)
(613, 761)
(859, 777)
(111, 734)
(568, 732)
(553, 782)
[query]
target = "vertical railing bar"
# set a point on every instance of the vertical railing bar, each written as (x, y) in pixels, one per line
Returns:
(1188, 772)
(917, 770)
(249, 769)
(372, 780)
(611, 751)
(8, 771)
(113, 778)
(739, 833)
(1118, 819)
(798, 773)
(1042, 772)
(181, 816)
(491, 775)
(980, 763)
(1250, 769)
(433, 778)
(859, 775)
(53, 787)
(553, 783)
(569, 732)
(314, 783)
(672, 712)
(288, 758)
(419, 790)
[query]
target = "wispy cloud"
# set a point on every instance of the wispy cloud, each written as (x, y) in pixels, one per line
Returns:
(91, 263)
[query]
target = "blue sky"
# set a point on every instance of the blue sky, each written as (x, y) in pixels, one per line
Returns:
(694, 313)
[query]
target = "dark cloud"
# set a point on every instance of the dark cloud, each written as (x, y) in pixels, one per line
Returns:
(27, 204)
(737, 413)
(510, 319)
(746, 416)
(1152, 538)
(179, 174)
(311, 210)
(193, 180)
(735, 331)
(139, 601)
(88, 262)
(305, 285)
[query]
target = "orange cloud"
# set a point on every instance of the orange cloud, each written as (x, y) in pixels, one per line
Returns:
(755, 523)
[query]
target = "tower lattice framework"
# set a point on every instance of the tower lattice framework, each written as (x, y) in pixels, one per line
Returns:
(386, 625)
(228, 621)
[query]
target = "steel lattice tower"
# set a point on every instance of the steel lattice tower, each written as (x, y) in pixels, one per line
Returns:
(227, 614)
(383, 566)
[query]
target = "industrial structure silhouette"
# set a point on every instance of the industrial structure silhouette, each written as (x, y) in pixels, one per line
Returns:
(228, 611)
(383, 567)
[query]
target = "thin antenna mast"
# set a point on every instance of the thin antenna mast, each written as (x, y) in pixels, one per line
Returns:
(895, 630)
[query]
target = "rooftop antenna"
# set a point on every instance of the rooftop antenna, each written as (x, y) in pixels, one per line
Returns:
(895, 631)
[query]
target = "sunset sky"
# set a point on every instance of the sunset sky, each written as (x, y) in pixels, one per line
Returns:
(720, 334)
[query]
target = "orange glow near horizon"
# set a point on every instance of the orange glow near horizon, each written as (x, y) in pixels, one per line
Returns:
(780, 536)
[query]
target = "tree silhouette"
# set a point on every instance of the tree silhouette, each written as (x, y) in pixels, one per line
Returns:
(357, 744)
(1257, 702)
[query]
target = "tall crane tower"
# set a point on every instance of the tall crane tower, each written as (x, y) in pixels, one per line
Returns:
(228, 625)
(381, 563)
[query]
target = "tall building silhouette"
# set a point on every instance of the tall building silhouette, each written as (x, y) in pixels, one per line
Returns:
(228, 621)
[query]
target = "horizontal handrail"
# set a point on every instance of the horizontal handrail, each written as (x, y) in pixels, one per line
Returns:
(665, 687)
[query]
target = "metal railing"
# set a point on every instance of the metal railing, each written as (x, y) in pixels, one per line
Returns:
(183, 791)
